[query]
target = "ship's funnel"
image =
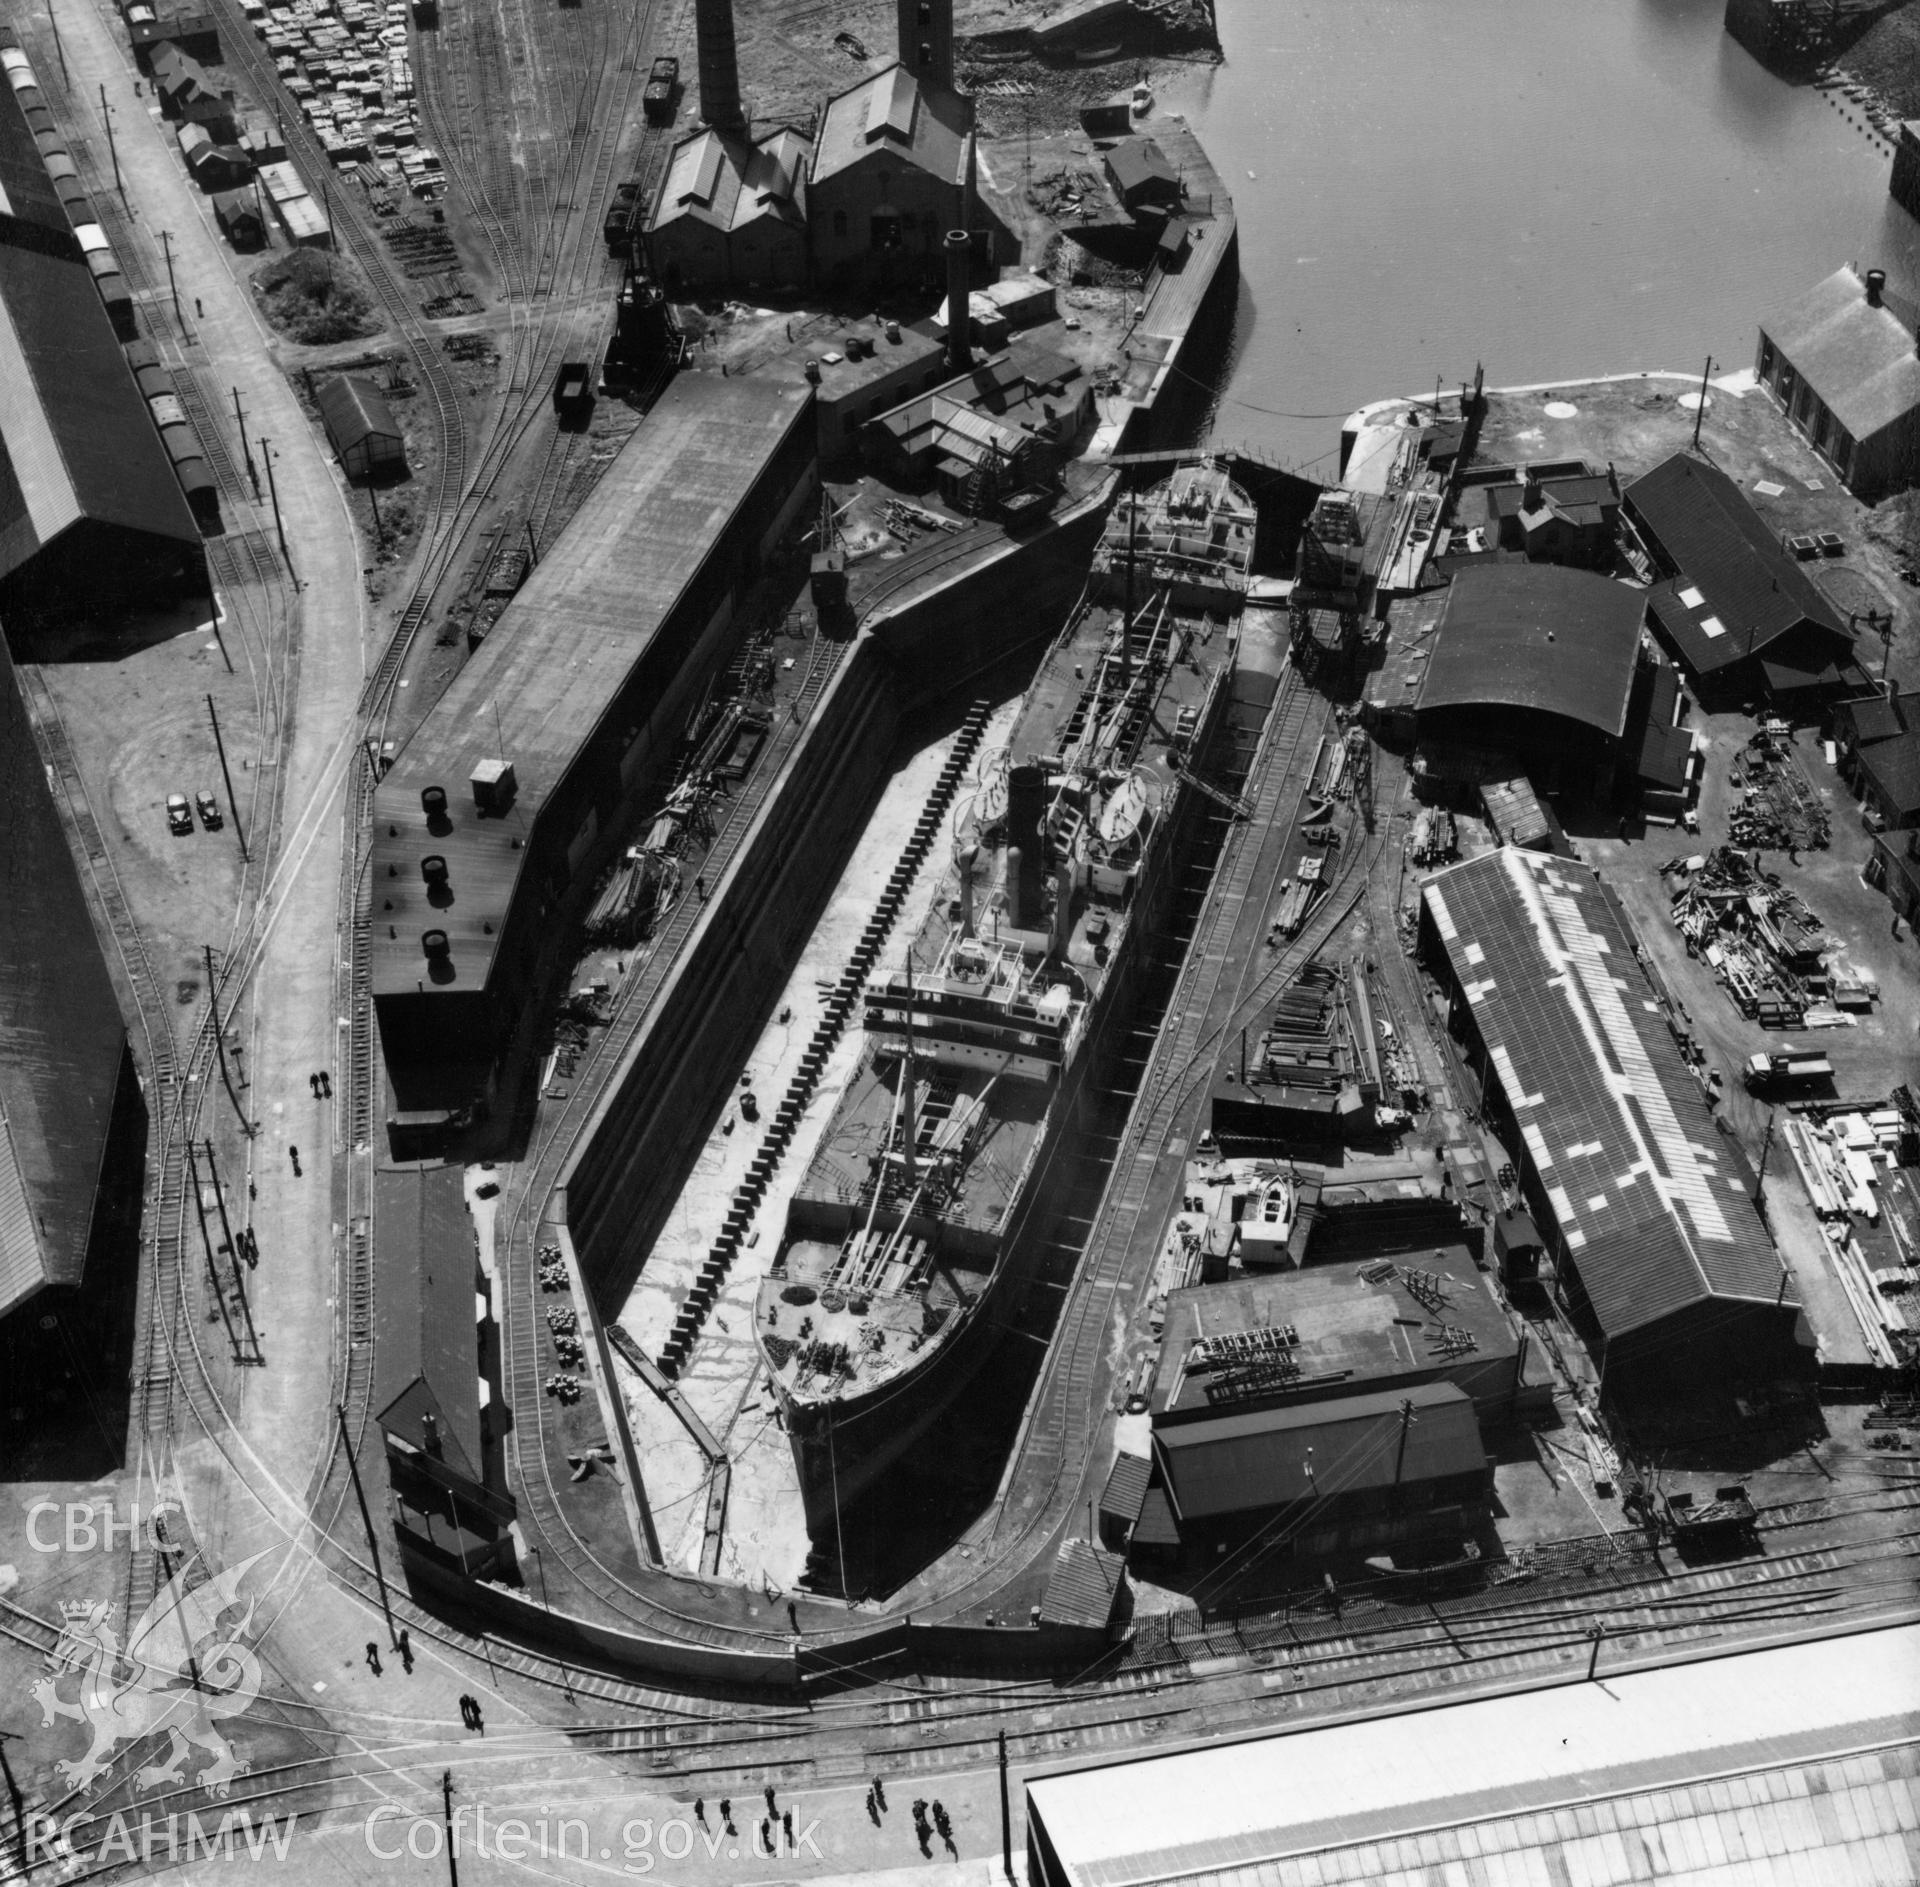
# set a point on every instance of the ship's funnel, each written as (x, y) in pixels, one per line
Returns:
(719, 65)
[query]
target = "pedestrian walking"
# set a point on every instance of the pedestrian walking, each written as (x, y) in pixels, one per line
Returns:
(880, 1791)
(786, 1826)
(940, 1820)
(326, 1085)
(479, 1722)
(765, 1836)
(293, 1153)
(873, 1809)
(466, 1710)
(199, 312)
(793, 1616)
(772, 1806)
(700, 1810)
(726, 1813)
(700, 889)
(406, 1652)
(313, 1085)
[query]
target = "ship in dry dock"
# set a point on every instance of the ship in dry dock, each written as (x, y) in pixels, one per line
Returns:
(911, 1240)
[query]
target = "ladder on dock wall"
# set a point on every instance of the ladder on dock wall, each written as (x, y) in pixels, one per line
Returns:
(700, 1300)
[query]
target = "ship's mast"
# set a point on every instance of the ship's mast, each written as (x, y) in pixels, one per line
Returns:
(1126, 617)
(907, 1125)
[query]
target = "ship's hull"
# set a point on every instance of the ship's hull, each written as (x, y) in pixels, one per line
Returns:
(843, 1447)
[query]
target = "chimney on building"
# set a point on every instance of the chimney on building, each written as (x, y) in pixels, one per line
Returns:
(719, 65)
(959, 307)
(1876, 281)
(926, 40)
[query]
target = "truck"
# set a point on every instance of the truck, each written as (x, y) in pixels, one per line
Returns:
(658, 97)
(1789, 1069)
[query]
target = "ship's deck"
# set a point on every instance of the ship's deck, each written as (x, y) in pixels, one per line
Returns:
(858, 1295)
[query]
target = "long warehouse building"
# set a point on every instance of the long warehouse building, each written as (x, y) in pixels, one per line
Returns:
(1792, 1764)
(90, 508)
(509, 797)
(1646, 1206)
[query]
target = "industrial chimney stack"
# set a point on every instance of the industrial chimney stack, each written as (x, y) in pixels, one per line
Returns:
(959, 306)
(719, 65)
(926, 40)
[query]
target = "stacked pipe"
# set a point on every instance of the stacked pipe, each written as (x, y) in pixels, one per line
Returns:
(700, 1300)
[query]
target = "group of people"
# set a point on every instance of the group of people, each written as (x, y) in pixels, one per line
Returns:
(322, 1084)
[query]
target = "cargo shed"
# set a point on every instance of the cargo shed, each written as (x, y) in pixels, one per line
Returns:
(90, 509)
(1536, 661)
(1645, 1207)
(71, 1121)
(1735, 610)
(512, 793)
(361, 428)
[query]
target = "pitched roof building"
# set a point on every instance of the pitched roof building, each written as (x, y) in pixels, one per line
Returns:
(893, 170)
(1735, 609)
(732, 213)
(89, 504)
(1647, 1208)
(1843, 360)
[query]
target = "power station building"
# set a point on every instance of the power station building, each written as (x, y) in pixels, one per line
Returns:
(496, 816)
(867, 203)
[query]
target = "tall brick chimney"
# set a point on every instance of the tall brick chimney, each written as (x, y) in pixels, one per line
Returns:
(926, 40)
(959, 308)
(719, 65)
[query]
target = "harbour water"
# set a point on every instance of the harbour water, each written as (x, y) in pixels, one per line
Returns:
(1555, 190)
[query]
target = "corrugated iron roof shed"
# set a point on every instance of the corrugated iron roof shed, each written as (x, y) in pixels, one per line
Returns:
(1084, 1586)
(75, 439)
(62, 1041)
(1537, 636)
(1738, 589)
(729, 183)
(1126, 1490)
(1273, 1457)
(1878, 717)
(1858, 358)
(557, 657)
(427, 1358)
(1653, 1203)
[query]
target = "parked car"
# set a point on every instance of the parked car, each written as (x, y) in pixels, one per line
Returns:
(179, 814)
(209, 808)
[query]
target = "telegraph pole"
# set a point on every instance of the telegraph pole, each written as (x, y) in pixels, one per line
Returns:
(220, 1040)
(113, 150)
(233, 805)
(366, 1520)
(279, 529)
(446, 1815)
(1006, 1814)
(1700, 411)
(173, 287)
(206, 1239)
(233, 1256)
(59, 44)
(246, 449)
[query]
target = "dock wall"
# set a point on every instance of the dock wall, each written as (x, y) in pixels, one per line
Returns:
(684, 1061)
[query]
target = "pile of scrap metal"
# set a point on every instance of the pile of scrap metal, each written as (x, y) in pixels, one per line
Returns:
(1844, 1156)
(1434, 839)
(1762, 942)
(644, 887)
(1778, 806)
